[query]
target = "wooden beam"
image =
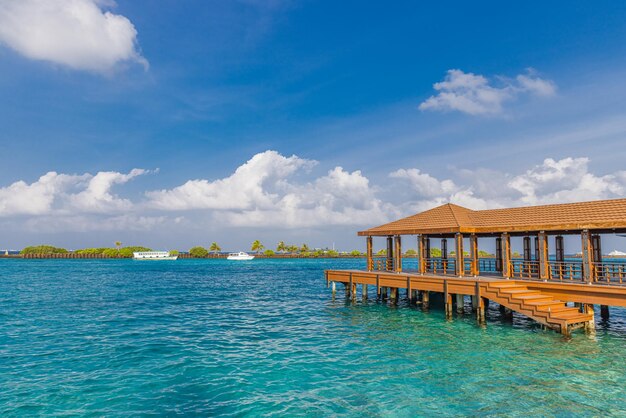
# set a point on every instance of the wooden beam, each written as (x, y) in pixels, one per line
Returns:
(389, 266)
(587, 255)
(398, 252)
(474, 255)
(460, 261)
(544, 267)
(421, 262)
(506, 255)
(370, 255)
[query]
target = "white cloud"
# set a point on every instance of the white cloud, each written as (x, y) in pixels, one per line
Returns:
(270, 190)
(75, 33)
(262, 192)
(37, 198)
(55, 193)
(251, 185)
(473, 94)
(424, 184)
(553, 181)
(566, 180)
(97, 196)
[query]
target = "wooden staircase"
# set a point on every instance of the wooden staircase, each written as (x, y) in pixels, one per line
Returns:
(535, 305)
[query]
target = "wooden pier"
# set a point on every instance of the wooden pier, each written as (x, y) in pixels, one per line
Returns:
(538, 285)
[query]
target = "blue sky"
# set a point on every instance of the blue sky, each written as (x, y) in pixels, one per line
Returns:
(329, 112)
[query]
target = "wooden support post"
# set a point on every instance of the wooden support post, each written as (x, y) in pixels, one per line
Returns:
(421, 262)
(364, 292)
(398, 253)
(394, 295)
(506, 255)
(542, 246)
(425, 299)
(352, 288)
(409, 291)
(447, 299)
(389, 253)
(348, 286)
(370, 255)
(480, 304)
(333, 288)
(460, 302)
(604, 312)
(475, 270)
(377, 286)
(591, 324)
(460, 263)
(587, 254)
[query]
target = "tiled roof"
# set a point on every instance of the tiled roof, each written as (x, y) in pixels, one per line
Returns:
(449, 218)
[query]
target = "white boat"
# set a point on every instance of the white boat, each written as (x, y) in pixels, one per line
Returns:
(239, 256)
(154, 255)
(617, 253)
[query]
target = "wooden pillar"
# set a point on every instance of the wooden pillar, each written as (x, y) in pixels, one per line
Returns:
(499, 254)
(364, 292)
(587, 255)
(506, 255)
(591, 324)
(425, 299)
(460, 302)
(480, 304)
(447, 299)
(544, 266)
(559, 248)
(604, 312)
(389, 266)
(370, 255)
(474, 271)
(460, 264)
(398, 254)
(421, 262)
(527, 248)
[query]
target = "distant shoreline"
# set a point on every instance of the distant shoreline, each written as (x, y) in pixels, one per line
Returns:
(72, 256)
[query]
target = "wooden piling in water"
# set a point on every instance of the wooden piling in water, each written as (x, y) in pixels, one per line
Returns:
(460, 302)
(604, 312)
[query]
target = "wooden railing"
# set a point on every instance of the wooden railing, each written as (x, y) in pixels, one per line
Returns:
(566, 271)
(524, 269)
(382, 264)
(438, 265)
(609, 273)
(487, 265)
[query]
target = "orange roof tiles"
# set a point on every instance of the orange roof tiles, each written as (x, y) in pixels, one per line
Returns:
(450, 218)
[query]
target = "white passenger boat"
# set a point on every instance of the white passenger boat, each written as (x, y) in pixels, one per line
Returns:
(154, 255)
(239, 256)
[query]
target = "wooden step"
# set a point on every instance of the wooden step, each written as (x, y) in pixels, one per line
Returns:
(504, 285)
(519, 292)
(535, 297)
(581, 317)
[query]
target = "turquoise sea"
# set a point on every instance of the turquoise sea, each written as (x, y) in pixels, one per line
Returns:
(212, 338)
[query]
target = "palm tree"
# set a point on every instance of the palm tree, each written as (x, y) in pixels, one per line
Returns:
(257, 246)
(281, 247)
(304, 248)
(118, 244)
(214, 247)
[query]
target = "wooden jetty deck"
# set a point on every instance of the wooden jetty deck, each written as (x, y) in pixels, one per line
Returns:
(537, 285)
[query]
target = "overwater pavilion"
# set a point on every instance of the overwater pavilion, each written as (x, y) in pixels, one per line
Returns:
(536, 284)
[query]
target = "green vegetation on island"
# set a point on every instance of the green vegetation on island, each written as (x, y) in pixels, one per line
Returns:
(43, 249)
(198, 252)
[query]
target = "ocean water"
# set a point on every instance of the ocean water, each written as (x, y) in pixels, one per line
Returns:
(219, 338)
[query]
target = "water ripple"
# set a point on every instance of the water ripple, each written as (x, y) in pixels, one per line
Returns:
(119, 338)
